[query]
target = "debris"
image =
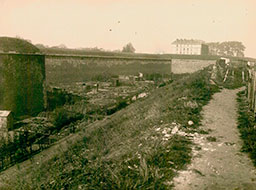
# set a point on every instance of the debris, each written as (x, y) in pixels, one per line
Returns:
(190, 122)
(142, 95)
(198, 172)
(181, 133)
(166, 130)
(175, 130)
(229, 143)
(191, 104)
(212, 82)
(183, 98)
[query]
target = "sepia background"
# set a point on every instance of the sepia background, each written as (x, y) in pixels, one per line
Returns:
(151, 26)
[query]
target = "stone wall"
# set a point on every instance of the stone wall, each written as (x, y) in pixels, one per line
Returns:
(189, 65)
(83, 68)
(22, 78)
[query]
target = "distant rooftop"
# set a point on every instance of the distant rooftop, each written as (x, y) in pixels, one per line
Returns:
(4, 113)
(185, 41)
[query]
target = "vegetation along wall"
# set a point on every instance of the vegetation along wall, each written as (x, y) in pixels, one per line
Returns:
(63, 68)
(22, 79)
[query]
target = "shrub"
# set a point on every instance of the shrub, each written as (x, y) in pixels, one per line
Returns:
(246, 126)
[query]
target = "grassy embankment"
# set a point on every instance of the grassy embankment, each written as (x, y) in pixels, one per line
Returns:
(135, 148)
(246, 126)
(8, 44)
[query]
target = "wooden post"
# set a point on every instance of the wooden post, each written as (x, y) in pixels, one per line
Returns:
(253, 91)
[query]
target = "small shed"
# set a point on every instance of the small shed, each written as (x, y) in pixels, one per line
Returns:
(6, 120)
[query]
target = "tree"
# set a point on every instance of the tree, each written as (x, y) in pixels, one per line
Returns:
(40, 46)
(230, 48)
(128, 48)
(213, 48)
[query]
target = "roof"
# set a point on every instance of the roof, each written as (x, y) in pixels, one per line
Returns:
(189, 42)
(4, 113)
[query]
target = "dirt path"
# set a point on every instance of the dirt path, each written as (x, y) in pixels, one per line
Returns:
(218, 165)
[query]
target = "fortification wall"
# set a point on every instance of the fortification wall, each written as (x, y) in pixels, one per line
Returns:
(189, 65)
(84, 68)
(22, 78)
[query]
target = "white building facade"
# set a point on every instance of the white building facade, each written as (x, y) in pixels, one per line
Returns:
(189, 47)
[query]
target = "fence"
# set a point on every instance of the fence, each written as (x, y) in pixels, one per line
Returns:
(251, 85)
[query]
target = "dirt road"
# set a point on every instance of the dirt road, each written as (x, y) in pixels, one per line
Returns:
(217, 161)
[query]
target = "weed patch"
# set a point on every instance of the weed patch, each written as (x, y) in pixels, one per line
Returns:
(211, 139)
(246, 126)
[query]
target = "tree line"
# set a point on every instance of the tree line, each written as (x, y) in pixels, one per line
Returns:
(229, 48)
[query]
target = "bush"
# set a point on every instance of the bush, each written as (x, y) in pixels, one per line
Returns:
(246, 126)
(62, 117)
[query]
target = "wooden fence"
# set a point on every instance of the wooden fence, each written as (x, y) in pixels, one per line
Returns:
(251, 85)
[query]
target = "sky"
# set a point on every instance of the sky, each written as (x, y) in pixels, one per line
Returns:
(150, 25)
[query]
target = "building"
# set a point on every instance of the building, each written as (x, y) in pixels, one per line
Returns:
(189, 47)
(6, 121)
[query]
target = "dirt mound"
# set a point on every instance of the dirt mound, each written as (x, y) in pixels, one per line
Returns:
(8, 44)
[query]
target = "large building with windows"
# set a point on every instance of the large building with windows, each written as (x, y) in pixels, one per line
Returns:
(189, 47)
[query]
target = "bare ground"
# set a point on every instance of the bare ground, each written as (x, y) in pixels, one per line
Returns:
(217, 161)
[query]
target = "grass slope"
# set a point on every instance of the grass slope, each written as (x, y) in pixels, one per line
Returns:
(8, 44)
(133, 148)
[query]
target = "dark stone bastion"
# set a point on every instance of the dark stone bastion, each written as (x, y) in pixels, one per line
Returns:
(22, 78)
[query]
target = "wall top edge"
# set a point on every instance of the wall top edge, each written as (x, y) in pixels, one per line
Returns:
(105, 57)
(31, 54)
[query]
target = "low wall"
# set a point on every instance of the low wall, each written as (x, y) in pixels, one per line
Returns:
(180, 66)
(62, 68)
(22, 78)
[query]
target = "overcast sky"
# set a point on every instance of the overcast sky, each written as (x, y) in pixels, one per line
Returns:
(150, 25)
